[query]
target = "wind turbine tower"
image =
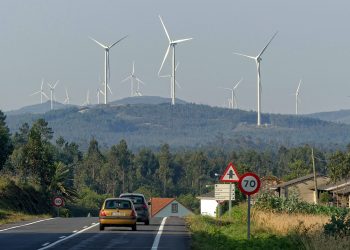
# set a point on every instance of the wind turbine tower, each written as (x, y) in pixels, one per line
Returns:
(297, 98)
(257, 60)
(106, 66)
(172, 44)
(52, 95)
(66, 101)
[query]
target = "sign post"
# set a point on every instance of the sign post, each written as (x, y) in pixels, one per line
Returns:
(230, 175)
(249, 184)
(58, 202)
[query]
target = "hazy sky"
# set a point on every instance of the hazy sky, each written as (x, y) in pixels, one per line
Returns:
(49, 39)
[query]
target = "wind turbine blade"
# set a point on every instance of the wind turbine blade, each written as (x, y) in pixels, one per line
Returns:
(225, 88)
(35, 93)
(102, 45)
(251, 57)
(50, 86)
(176, 66)
(166, 32)
(43, 93)
(42, 83)
(238, 83)
(133, 67)
(165, 76)
(126, 78)
(54, 86)
(165, 56)
(182, 40)
(267, 44)
(139, 80)
(118, 41)
(298, 86)
(177, 84)
(110, 91)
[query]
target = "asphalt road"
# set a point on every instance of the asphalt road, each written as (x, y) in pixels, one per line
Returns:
(83, 233)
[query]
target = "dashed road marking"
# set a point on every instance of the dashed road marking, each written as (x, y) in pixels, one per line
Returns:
(25, 224)
(85, 226)
(45, 244)
(63, 237)
(68, 237)
(75, 231)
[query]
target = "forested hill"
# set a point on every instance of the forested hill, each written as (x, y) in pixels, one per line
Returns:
(185, 125)
(341, 116)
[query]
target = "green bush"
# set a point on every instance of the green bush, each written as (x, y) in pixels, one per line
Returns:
(339, 225)
(273, 203)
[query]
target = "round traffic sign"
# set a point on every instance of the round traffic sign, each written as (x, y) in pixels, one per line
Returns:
(58, 201)
(249, 183)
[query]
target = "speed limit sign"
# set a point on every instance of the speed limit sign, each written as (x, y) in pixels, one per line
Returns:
(58, 201)
(249, 183)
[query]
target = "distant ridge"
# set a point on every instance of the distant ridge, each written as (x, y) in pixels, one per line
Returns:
(39, 108)
(340, 116)
(146, 100)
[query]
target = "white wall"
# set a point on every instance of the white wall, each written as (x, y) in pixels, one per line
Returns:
(208, 207)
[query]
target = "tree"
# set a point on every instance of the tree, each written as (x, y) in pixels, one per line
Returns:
(124, 159)
(164, 171)
(5, 140)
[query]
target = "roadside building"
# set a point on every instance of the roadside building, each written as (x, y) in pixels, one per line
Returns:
(339, 193)
(166, 207)
(208, 204)
(303, 187)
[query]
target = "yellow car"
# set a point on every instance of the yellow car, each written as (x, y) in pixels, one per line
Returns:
(118, 212)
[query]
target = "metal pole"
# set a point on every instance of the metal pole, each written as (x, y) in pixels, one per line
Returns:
(230, 199)
(248, 218)
(315, 179)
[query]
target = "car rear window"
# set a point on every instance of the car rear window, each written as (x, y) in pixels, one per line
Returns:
(117, 204)
(134, 198)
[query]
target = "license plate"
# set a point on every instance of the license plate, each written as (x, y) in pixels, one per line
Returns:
(118, 214)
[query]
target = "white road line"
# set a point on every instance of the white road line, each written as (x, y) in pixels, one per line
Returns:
(68, 237)
(62, 237)
(25, 224)
(45, 244)
(157, 238)
(85, 226)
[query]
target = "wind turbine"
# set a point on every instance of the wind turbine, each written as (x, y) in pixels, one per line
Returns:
(106, 67)
(52, 95)
(41, 91)
(176, 82)
(87, 101)
(133, 77)
(172, 44)
(257, 60)
(233, 100)
(296, 98)
(66, 101)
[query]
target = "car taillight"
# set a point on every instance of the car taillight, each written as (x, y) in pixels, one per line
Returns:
(133, 214)
(144, 206)
(103, 213)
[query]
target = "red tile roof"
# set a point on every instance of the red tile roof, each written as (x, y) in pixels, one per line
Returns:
(158, 204)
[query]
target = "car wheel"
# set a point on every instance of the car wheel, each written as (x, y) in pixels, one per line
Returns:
(147, 222)
(133, 227)
(102, 227)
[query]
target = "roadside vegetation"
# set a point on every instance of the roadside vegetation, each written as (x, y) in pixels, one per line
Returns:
(288, 225)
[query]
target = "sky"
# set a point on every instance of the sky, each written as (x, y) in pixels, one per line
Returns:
(50, 39)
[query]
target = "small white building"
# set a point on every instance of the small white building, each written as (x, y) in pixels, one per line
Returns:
(208, 204)
(166, 207)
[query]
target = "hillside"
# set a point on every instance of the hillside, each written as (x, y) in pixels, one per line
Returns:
(341, 116)
(185, 125)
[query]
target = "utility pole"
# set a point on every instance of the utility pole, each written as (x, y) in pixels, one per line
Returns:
(315, 179)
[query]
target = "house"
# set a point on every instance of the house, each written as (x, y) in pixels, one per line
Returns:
(339, 191)
(165, 207)
(303, 187)
(208, 204)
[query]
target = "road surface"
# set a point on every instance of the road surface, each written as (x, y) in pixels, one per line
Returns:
(83, 233)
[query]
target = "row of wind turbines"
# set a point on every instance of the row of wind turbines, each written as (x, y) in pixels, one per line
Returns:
(171, 46)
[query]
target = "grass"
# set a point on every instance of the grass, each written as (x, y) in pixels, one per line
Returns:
(8, 216)
(268, 231)
(231, 233)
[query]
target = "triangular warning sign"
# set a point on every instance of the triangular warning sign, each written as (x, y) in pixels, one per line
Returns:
(230, 174)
